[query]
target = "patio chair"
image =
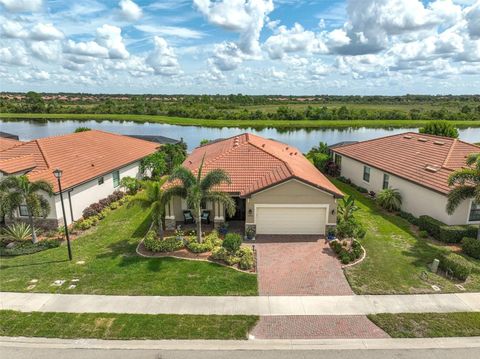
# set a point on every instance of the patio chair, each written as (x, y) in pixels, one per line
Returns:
(205, 217)
(188, 217)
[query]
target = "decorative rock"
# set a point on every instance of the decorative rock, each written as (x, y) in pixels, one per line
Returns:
(436, 288)
(81, 262)
(10, 245)
(58, 283)
(75, 280)
(31, 286)
(459, 286)
(33, 281)
(72, 286)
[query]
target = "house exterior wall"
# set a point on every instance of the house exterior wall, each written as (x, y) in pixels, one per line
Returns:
(292, 192)
(416, 199)
(85, 194)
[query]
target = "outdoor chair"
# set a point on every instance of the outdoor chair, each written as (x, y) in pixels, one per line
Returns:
(205, 217)
(188, 217)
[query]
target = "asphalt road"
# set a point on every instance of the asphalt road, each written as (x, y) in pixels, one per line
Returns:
(42, 353)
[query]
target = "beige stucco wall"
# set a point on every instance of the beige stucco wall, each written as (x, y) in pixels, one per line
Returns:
(417, 200)
(292, 192)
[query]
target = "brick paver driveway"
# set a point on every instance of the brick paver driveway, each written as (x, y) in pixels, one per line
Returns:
(298, 265)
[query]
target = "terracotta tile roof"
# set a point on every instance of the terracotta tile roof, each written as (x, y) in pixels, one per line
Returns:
(82, 156)
(255, 163)
(6, 143)
(424, 159)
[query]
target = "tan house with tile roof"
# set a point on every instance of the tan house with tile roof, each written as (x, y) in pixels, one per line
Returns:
(275, 188)
(93, 162)
(418, 165)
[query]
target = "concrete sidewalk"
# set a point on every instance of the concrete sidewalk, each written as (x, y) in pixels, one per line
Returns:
(262, 305)
(261, 345)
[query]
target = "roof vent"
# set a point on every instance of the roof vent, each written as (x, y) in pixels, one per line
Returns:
(286, 148)
(432, 168)
(236, 142)
(408, 137)
(422, 139)
(263, 145)
(439, 143)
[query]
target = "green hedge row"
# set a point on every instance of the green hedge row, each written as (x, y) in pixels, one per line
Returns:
(471, 247)
(456, 265)
(445, 233)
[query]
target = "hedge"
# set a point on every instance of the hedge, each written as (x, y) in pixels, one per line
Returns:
(458, 266)
(154, 244)
(443, 232)
(471, 247)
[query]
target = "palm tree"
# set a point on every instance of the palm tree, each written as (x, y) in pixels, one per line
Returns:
(196, 190)
(346, 208)
(21, 190)
(390, 199)
(155, 199)
(466, 183)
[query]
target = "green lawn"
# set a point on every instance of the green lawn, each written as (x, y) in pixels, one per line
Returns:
(113, 267)
(428, 325)
(124, 326)
(396, 257)
(182, 121)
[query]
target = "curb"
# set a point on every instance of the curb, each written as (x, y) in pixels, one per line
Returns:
(316, 344)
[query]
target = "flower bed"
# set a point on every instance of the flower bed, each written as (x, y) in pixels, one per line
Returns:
(226, 251)
(26, 247)
(347, 250)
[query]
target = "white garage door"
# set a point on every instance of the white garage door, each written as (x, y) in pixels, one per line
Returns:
(290, 220)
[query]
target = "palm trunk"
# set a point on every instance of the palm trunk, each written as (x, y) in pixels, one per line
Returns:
(32, 227)
(199, 226)
(160, 228)
(478, 232)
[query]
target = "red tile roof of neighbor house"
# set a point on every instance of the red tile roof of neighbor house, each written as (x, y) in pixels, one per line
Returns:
(81, 156)
(255, 163)
(6, 143)
(423, 159)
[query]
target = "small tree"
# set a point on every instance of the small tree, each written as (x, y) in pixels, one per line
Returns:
(390, 199)
(130, 184)
(346, 208)
(21, 190)
(465, 184)
(82, 129)
(155, 164)
(197, 189)
(440, 128)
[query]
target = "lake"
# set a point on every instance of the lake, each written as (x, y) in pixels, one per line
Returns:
(304, 139)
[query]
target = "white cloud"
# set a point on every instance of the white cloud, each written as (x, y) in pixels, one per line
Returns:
(174, 31)
(163, 59)
(129, 10)
(22, 5)
(45, 32)
(89, 48)
(13, 29)
(46, 51)
(226, 56)
(14, 55)
(473, 18)
(244, 17)
(41, 75)
(110, 37)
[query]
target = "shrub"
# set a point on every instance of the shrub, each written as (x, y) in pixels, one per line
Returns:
(409, 217)
(423, 234)
(89, 212)
(232, 242)
(83, 224)
(118, 195)
(154, 244)
(28, 247)
(94, 220)
(18, 231)
(104, 213)
(246, 258)
(350, 229)
(455, 264)
(232, 259)
(471, 247)
(112, 198)
(390, 199)
(219, 253)
(131, 185)
(114, 205)
(104, 202)
(211, 241)
(443, 232)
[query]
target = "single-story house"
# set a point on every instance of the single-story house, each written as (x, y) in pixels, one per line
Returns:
(275, 188)
(162, 140)
(93, 162)
(418, 165)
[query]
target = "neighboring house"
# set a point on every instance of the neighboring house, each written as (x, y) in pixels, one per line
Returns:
(275, 188)
(418, 165)
(6, 143)
(93, 162)
(162, 140)
(8, 135)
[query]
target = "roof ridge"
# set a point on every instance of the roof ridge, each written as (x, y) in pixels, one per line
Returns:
(224, 153)
(42, 152)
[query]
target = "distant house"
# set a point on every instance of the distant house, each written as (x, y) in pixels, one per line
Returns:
(93, 163)
(275, 188)
(418, 165)
(6, 143)
(8, 135)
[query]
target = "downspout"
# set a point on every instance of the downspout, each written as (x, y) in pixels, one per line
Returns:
(70, 205)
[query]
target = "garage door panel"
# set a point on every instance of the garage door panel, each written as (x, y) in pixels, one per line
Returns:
(290, 220)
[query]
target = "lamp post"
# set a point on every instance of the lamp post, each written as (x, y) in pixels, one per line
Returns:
(58, 174)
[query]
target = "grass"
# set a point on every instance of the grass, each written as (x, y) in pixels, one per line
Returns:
(181, 121)
(397, 260)
(124, 326)
(113, 267)
(428, 325)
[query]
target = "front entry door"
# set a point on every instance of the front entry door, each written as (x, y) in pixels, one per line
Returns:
(240, 210)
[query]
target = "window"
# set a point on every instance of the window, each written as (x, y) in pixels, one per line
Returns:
(474, 212)
(23, 210)
(386, 178)
(366, 174)
(100, 180)
(338, 160)
(116, 178)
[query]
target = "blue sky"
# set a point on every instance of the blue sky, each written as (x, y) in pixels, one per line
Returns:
(298, 47)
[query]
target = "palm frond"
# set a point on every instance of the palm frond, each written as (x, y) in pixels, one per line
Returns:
(214, 178)
(457, 195)
(474, 158)
(464, 175)
(184, 175)
(41, 185)
(223, 198)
